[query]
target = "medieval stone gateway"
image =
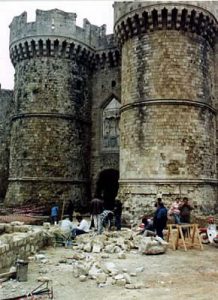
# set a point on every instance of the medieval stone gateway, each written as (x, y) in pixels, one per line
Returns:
(142, 101)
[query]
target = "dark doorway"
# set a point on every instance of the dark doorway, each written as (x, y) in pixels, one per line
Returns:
(107, 187)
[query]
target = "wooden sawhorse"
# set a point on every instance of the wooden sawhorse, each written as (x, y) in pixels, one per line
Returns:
(187, 233)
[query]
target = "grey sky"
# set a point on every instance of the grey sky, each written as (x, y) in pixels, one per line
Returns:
(97, 12)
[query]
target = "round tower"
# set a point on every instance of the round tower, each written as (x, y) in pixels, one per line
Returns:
(167, 122)
(50, 135)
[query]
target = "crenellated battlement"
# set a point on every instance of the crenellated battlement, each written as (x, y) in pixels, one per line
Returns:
(55, 23)
(141, 17)
(54, 33)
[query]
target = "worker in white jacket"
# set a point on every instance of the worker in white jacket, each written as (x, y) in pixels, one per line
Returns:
(82, 228)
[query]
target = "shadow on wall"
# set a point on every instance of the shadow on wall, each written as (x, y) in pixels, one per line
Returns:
(107, 187)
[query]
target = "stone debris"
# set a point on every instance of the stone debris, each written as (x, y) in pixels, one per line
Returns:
(39, 257)
(139, 269)
(88, 247)
(92, 254)
(94, 272)
(46, 225)
(101, 278)
(153, 245)
(120, 282)
(82, 278)
(97, 248)
(78, 256)
(134, 286)
(121, 255)
(88, 264)
(127, 277)
(105, 256)
(110, 268)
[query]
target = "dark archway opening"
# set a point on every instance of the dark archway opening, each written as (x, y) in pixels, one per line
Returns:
(107, 187)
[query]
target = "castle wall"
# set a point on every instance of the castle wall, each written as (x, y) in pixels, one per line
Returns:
(6, 111)
(103, 90)
(216, 106)
(69, 87)
(167, 121)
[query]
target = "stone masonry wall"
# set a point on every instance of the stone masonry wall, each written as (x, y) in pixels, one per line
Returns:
(50, 132)
(102, 91)
(169, 141)
(6, 111)
(167, 65)
(18, 245)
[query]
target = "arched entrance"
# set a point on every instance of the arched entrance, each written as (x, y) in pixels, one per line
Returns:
(107, 187)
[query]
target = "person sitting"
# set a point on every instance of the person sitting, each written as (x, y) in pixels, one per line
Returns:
(148, 229)
(82, 228)
(66, 226)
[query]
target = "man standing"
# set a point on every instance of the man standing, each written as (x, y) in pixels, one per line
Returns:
(118, 213)
(54, 213)
(185, 211)
(96, 208)
(70, 210)
(160, 219)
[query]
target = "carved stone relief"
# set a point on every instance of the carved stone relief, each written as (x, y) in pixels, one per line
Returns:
(110, 125)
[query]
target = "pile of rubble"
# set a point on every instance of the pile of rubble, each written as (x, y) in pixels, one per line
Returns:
(91, 256)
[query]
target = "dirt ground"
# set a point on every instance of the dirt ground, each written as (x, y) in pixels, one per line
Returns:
(173, 275)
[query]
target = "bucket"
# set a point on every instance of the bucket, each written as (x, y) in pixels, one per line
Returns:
(22, 268)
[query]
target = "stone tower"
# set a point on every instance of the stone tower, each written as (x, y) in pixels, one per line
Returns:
(168, 102)
(51, 127)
